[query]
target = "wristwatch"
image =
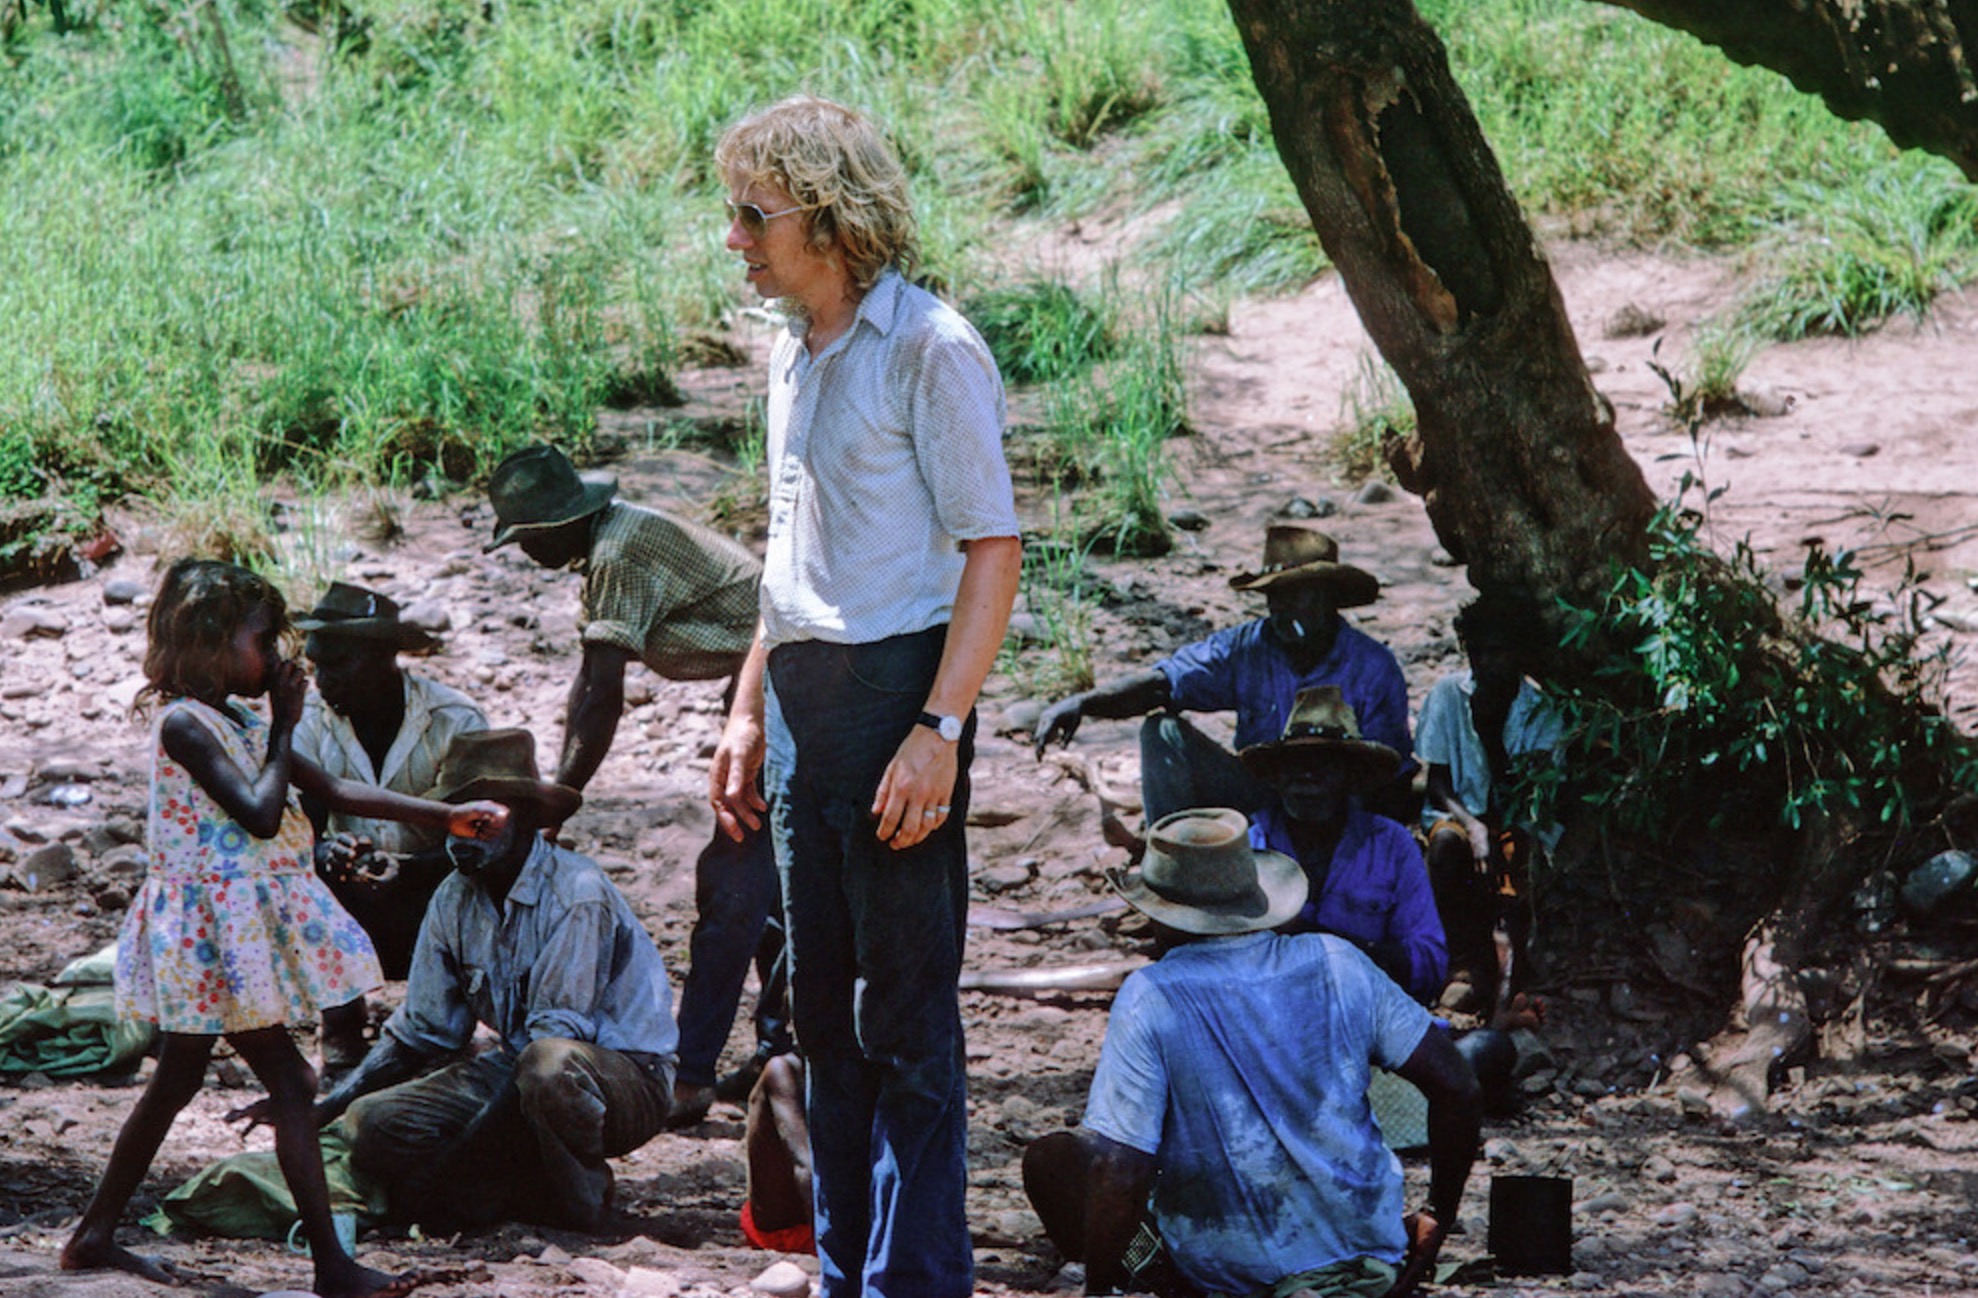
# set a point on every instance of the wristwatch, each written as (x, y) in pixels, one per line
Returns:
(949, 728)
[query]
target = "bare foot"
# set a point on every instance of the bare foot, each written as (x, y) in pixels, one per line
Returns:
(354, 1281)
(96, 1255)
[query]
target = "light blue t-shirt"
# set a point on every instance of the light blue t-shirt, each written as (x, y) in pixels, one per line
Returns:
(1241, 1064)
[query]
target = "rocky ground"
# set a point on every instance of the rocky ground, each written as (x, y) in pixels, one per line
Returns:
(1858, 1181)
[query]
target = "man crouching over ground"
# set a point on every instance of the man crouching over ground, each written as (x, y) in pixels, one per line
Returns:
(536, 943)
(1232, 1090)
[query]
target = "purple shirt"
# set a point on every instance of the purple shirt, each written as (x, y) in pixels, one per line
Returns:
(1374, 893)
(1243, 670)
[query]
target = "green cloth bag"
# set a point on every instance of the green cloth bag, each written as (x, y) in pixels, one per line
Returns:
(72, 1028)
(246, 1197)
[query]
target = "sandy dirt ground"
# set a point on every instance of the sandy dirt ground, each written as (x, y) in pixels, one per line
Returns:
(1859, 1181)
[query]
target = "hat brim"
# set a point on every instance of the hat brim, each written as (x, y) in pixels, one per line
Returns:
(1367, 763)
(558, 801)
(1281, 891)
(401, 635)
(1352, 587)
(599, 488)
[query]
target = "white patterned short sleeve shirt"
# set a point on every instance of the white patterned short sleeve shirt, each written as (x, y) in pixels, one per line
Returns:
(885, 455)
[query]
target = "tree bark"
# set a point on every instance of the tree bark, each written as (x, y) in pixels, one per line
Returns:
(1515, 454)
(1902, 64)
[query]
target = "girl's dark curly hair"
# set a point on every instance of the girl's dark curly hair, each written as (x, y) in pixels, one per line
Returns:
(199, 606)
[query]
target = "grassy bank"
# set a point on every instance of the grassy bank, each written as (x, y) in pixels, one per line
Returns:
(400, 241)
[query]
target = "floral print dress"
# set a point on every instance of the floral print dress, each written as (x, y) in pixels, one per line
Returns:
(231, 932)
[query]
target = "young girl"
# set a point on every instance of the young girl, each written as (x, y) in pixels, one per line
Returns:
(233, 934)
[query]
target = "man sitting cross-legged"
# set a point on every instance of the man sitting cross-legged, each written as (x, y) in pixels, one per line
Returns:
(1232, 1089)
(534, 942)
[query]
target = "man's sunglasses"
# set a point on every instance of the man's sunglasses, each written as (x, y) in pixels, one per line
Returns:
(756, 221)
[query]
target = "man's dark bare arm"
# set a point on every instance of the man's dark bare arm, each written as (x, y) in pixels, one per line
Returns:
(1130, 696)
(1116, 1189)
(590, 721)
(1455, 1124)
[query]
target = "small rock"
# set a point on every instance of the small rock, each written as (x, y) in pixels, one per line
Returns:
(1375, 492)
(119, 620)
(782, 1280)
(1022, 716)
(428, 615)
(122, 590)
(1005, 878)
(67, 770)
(1783, 1276)
(110, 897)
(553, 1256)
(1611, 1201)
(1766, 402)
(123, 862)
(1632, 321)
(26, 623)
(13, 785)
(1189, 520)
(66, 795)
(1441, 558)
(596, 1271)
(1024, 629)
(1674, 1216)
(1657, 1168)
(47, 866)
(1299, 507)
(1861, 450)
(644, 1282)
(1719, 1285)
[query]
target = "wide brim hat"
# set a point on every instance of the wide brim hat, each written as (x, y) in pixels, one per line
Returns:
(1295, 553)
(360, 614)
(1322, 729)
(537, 489)
(500, 765)
(1200, 875)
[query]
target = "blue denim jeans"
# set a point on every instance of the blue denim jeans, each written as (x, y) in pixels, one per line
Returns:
(1182, 768)
(875, 940)
(736, 892)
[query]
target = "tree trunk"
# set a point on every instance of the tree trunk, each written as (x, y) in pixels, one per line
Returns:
(1901, 64)
(1515, 456)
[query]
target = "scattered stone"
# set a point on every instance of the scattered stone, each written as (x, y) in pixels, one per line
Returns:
(1441, 558)
(122, 590)
(1766, 402)
(1632, 321)
(119, 620)
(1007, 877)
(1375, 492)
(67, 770)
(1943, 876)
(1022, 716)
(644, 1282)
(596, 1271)
(1025, 629)
(1657, 1168)
(66, 795)
(1719, 1285)
(552, 1255)
(1674, 1216)
(1861, 450)
(782, 1280)
(1189, 520)
(123, 862)
(46, 866)
(110, 897)
(1300, 507)
(27, 623)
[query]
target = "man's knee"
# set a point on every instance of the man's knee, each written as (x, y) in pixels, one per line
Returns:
(549, 1070)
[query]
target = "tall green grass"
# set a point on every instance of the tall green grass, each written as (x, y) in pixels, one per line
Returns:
(411, 240)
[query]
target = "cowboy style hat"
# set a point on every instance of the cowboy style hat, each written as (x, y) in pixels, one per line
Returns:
(352, 611)
(537, 489)
(1296, 553)
(1322, 727)
(1201, 875)
(501, 765)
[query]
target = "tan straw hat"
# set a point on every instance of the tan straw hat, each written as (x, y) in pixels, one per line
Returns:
(1201, 875)
(1296, 553)
(501, 765)
(1322, 727)
(537, 489)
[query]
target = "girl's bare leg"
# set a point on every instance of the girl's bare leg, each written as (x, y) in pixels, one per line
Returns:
(180, 1073)
(291, 1084)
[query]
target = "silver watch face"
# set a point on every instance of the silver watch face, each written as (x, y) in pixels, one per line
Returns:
(951, 729)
